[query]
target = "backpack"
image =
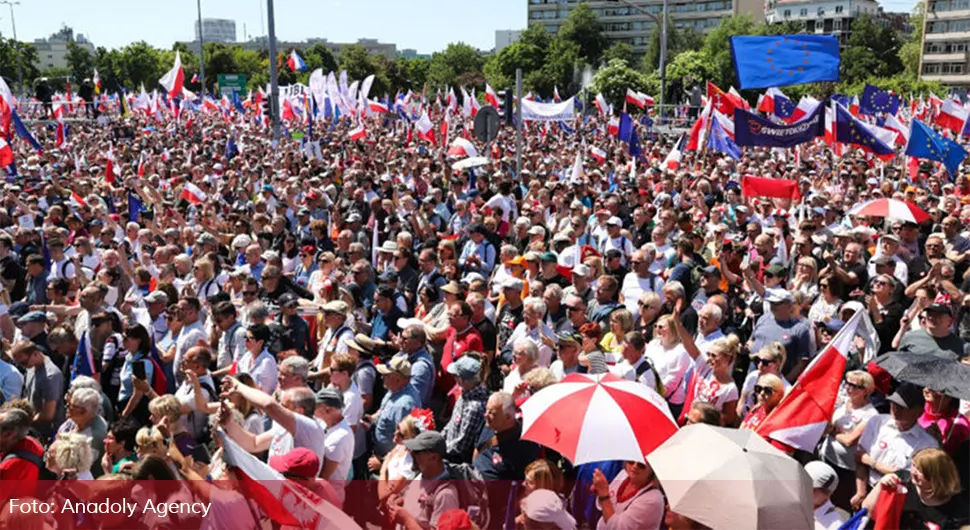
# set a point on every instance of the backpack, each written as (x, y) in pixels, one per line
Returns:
(159, 379)
(695, 279)
(472, 492)
(45, 474)
(647, 364)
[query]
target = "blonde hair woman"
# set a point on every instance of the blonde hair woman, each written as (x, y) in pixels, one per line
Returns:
(712, 380)
(768, 392)
(621, 323)
(670, 358)
(167, 410)
(397, 468)
(848, 422)
(769, 360)
(806, 277)
(71, 456)
(150, 441)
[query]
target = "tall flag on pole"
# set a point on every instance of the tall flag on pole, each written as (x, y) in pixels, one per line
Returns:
(926, 143)
(97, 82)
(776, 102)
(491, 97)
(295, 62)
(600, 103)
(849, 130)
(174, 79)
(780, 60)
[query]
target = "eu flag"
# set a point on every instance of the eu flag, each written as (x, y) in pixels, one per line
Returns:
(721, 142)
(763, 62)
(628, 133)
(924, 142)
(850, 130)
(877, 101)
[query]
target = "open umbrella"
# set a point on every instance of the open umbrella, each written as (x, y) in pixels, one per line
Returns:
(590, 418)
(730, 479)
(891, 209)
(941, 372)
(465, 163)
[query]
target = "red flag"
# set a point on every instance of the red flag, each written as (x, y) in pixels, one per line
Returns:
(6, 153)
(801, 418)
(889, 508)
(768, 187)
(141, 165)
(723, 102)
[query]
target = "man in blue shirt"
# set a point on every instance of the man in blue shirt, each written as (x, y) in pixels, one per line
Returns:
(400, 400)
(412, 344)
(478, 254)
(386, 315)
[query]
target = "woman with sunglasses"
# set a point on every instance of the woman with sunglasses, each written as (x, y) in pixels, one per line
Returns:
(768, 392)
(885, 312)
(633, 500)
(829, 301)
(849, 420)
(305, 266)
(934, 498)
(712, 381)
(769, 360)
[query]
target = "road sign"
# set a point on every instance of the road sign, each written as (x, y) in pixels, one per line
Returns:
(486, 124)
(232, 83)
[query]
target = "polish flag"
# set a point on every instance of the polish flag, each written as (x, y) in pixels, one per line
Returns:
(195, 78)
(613, 128)
(425, 128)
(806, 106)
(109, 165)
(952, 115)
(801, 418)
(193, 194)
(377, 107)
(462, 148)
(893, 124)
(358, 133)
(854, 106)
(6, 153)
(597, 153)
(77, 200)
(174, 79)
(285, 502)
(672, 162)
(141, 165)
(166, 156)
(770, 100)
(600, 103)
(829, 138)
(555, 94)
(699, 130)
(737, 96)
(638, 99)
(61, 134)
(491, 97)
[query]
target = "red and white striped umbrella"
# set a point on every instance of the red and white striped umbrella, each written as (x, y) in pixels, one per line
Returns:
(590, 418)
(890, 209)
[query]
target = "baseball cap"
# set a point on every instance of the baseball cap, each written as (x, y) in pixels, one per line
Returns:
(288, 300)
(614, 221)
(330, 397)
(569, 336)
(33, 316)
(157, 296)
(939, 308)
(335, 306)
(823, 476)
(908, 395)
(398, 365)
(581, 270)
(775, 270)
(711, 270)
(298, 461)
(513, 283)
(549, 257)
(452, 287)
(834, 325)
(777, 296)
(545, 506)
(388, 276)
(466, 367)
(427, 441)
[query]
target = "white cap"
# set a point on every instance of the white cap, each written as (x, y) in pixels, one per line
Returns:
(823, 476)
(544, 506)
(614, 221)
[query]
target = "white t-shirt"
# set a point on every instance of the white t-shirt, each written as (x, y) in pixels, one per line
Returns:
(62, 269)
(885, 444)
(710, 390)
(309, 433)
(672, 366)
(263, 369)
(627, 371)
(634, 287)
(339, 444)
(834, 452)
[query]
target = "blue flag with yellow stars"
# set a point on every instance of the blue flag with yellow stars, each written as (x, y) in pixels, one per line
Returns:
(849, 130)
(874, 101)
(926, 143)
(772, 61)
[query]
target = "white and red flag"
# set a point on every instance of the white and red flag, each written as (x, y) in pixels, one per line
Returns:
(597, 153)
(174, 79)
(358, 132)
(638, 99)
(462, 148)
(672, 162)
(425, 128)
(801, 418)
(193, 194)
(491, 97)
(600, 103)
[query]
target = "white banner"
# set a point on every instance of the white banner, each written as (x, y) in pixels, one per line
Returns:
(535, 111)
(293, 90)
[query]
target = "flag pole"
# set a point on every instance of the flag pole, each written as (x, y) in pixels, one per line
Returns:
(274, 92)
(518, 123)
(198, 4)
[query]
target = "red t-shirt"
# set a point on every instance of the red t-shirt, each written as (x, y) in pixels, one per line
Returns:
(456, 344)
(19, 477)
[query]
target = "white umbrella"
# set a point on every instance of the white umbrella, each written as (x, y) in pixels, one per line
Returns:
(473, 161)
(731, 479)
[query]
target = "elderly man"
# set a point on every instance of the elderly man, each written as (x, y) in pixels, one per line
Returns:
(43, 387)
(534, 329)
(192, 334)
(851, 269)
(781, 325)
(232, 337)
(633, 366)
(640, 280)
(253, 262)
(412, 344)
(468, 419)
(935, 336)
(400, 400)
(889, 247)
(426, 499)
(502, 454)
(580, 285)
(478, 254)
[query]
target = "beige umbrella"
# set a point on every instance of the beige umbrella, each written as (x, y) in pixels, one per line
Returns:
(732, 479)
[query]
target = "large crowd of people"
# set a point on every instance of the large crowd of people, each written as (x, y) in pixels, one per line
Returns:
(365, 314)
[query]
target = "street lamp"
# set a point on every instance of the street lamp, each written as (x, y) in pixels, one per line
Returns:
(274, 83)
(198, 5)
(663, 44)
(20, 60)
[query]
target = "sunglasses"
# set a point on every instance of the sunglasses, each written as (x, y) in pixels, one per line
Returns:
(850, 384)
(880, 282)
(249, 293)
(761, 361)
(572, 308)
(766, 390)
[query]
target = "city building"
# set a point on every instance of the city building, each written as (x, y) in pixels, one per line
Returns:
(371, 45)
(622, 23)
(946, 35)
(505, 37)
(832, 17)
(411, 53)
(217, 30)
(52, 51)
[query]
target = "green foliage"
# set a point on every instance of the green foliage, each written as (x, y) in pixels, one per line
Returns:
(583, 29)
(458, 64)
(678, 41)
(141, 63)
(110, 69)
(528, 53)
(79, 61)
(417, 71)
(910, 51)
(717, 47)
(901, 83)
(13, 52)
(613, 79)
(872, 51)
(621, 51)
(686, 70)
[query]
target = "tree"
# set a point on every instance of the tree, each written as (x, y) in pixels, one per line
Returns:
(457, 60)
(561, 62)
(13, 53)
(678, 40)
(319, 56)
(621, 51)
(528, 53)
(686, 70)
(417, 71)
(583, 28)
(110, 69)
(717, 47)
(910, 51)
(356, 61)
(613, 79)
(871, 51)
(79, 61)
(141, 64)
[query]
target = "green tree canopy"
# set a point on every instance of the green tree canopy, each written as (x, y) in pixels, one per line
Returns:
(141, 64)
(583, 29)
(613, 79)
(79, 61)
(458, 60)
(872, 51)
(621, 51)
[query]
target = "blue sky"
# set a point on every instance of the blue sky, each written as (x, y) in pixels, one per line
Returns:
(426, 25)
